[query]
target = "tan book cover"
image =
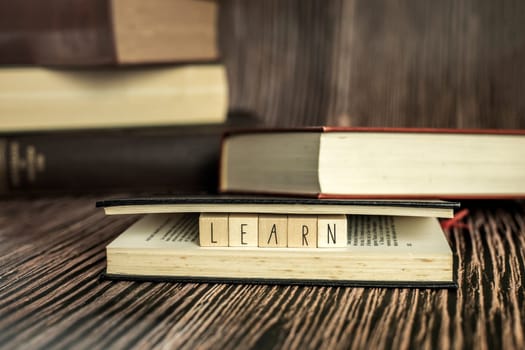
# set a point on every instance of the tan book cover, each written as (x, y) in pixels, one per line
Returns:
(34, 98)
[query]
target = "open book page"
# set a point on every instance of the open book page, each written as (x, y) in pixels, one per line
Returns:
(378, 249)
(396, 234)
(162, 231)
(367, 234)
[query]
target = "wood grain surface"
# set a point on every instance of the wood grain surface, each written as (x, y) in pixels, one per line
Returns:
(418, 63)
(52, 253)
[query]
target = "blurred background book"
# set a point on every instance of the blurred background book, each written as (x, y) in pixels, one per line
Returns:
(94, 32)
(111, 96)
(35, 98)
(177, 159)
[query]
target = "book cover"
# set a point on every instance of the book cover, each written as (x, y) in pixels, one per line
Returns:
(275, 205)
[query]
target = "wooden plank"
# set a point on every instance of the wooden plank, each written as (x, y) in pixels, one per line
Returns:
(456, 64)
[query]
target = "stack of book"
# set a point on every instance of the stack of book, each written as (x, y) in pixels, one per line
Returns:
(356, 207)
(128, 95)
(110, 95)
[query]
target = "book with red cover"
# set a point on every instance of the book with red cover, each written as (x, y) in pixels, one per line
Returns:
(335, 162)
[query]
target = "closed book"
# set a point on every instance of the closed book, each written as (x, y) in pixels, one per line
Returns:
(34, 98)
(275, 205)
(95, 32)
(373, 162)
(177, 159)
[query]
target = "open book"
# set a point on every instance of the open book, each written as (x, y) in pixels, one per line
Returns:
(380, 251)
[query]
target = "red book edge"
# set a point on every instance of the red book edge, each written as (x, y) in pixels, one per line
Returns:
(376, 129)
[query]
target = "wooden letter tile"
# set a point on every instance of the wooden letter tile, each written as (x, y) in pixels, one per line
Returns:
(243, 230)
(273, 231)
(213, 230)
(331, 231)
(302, 231)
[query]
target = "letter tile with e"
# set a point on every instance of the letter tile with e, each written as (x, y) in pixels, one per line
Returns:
(243, 230)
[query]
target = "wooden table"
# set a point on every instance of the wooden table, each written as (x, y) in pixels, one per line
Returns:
(52, 253)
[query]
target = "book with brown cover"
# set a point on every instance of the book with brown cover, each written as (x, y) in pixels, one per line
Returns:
(342, 162)
(181, 159)
(94, 32)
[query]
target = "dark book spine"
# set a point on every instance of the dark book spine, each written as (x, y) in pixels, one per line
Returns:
(182, 161)
(56, 32)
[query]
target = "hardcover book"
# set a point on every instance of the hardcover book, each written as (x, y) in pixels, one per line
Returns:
(34, 98)
(276, 205)
(375, 163)
(180, 159)
(379, 251)
(95, 32)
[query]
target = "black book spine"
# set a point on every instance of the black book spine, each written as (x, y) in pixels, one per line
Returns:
(183, 160)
